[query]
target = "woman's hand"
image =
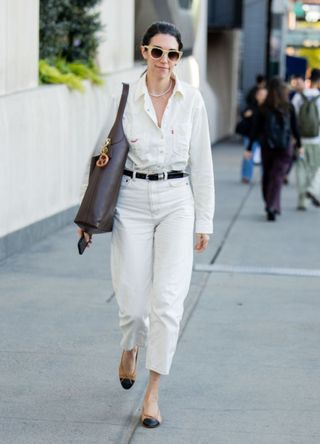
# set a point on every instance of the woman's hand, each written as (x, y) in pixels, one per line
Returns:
(247, 154)
(87, 236)
(247, 113)
(202, 241)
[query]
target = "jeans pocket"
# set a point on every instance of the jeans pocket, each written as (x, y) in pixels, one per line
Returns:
(182, 182)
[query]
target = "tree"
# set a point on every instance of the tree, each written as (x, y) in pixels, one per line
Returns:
(69, 29)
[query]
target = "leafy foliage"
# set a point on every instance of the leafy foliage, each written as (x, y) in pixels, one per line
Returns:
(69, 29)
(86, 72)
(70, 74)
(69, 39)
(51, 74)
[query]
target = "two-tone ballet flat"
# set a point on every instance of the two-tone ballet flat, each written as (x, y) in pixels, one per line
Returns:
(127, 379)
(150, 422)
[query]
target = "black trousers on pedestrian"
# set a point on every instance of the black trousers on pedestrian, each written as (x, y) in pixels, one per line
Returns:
(275, 166)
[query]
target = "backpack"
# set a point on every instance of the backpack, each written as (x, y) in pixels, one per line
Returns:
(278, 129)
(308, 118)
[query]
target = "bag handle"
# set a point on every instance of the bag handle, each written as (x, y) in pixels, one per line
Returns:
(118, 120)
(123, 100)
(106, 148)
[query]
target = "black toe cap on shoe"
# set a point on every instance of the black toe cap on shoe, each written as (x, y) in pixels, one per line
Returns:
(126, 383)
(150, 423)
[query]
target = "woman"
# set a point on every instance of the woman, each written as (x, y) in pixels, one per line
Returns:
(273, 127)
(166, 125)
(248, 117)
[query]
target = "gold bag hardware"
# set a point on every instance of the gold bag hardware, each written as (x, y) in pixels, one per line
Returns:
(104, 158)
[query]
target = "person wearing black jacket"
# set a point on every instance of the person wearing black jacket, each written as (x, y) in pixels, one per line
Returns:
(261, 82)
(274, 125)
(244, 129)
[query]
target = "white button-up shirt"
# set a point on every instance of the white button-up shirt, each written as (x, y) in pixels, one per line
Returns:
(182, 143)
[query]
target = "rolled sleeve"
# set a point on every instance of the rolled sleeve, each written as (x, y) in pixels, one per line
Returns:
(202, 177)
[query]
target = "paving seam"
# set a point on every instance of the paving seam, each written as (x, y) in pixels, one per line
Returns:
(271, 271)
(232, 223)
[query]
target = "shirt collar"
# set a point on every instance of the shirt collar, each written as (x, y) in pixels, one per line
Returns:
(178, 88)
(142, 90)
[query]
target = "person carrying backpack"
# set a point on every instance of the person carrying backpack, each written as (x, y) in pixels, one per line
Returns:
(274, 127)
(307, 107)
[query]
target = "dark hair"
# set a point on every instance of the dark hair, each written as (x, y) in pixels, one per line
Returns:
(315, 75)
(260, 78)
(277, 98)
(162, 28)
(298, 76)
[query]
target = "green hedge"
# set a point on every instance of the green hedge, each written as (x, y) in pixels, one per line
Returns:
(69, 39)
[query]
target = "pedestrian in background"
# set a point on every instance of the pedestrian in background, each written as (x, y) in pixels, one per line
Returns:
(297, 85)
(307, 106)
(244, 128)
(273, 127)
(166, 125)
(261, 82)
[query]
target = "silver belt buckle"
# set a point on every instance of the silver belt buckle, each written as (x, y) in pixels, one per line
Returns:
(161, 176)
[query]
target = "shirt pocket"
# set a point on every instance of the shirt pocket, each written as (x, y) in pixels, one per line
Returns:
(181, 142)
(139, 142)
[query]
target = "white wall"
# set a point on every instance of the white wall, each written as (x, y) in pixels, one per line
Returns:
(222, 76)
(200, 44)
(214, 68)
(116, 52)
(19, 45)
(3, 44)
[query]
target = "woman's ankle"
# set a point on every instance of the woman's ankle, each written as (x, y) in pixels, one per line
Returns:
(132, 352)
(151, 394)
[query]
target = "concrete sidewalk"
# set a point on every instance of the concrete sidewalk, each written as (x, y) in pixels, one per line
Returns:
(246, 369)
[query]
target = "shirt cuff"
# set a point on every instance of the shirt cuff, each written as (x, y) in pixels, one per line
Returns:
(203, 227)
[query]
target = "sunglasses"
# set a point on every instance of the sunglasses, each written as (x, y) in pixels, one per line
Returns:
(157, 53)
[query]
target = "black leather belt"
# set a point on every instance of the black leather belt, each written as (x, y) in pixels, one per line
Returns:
(156, 176)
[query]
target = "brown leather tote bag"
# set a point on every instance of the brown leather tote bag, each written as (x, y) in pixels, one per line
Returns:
(96, 211)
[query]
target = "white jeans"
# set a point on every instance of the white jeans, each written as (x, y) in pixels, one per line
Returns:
(151, 264)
